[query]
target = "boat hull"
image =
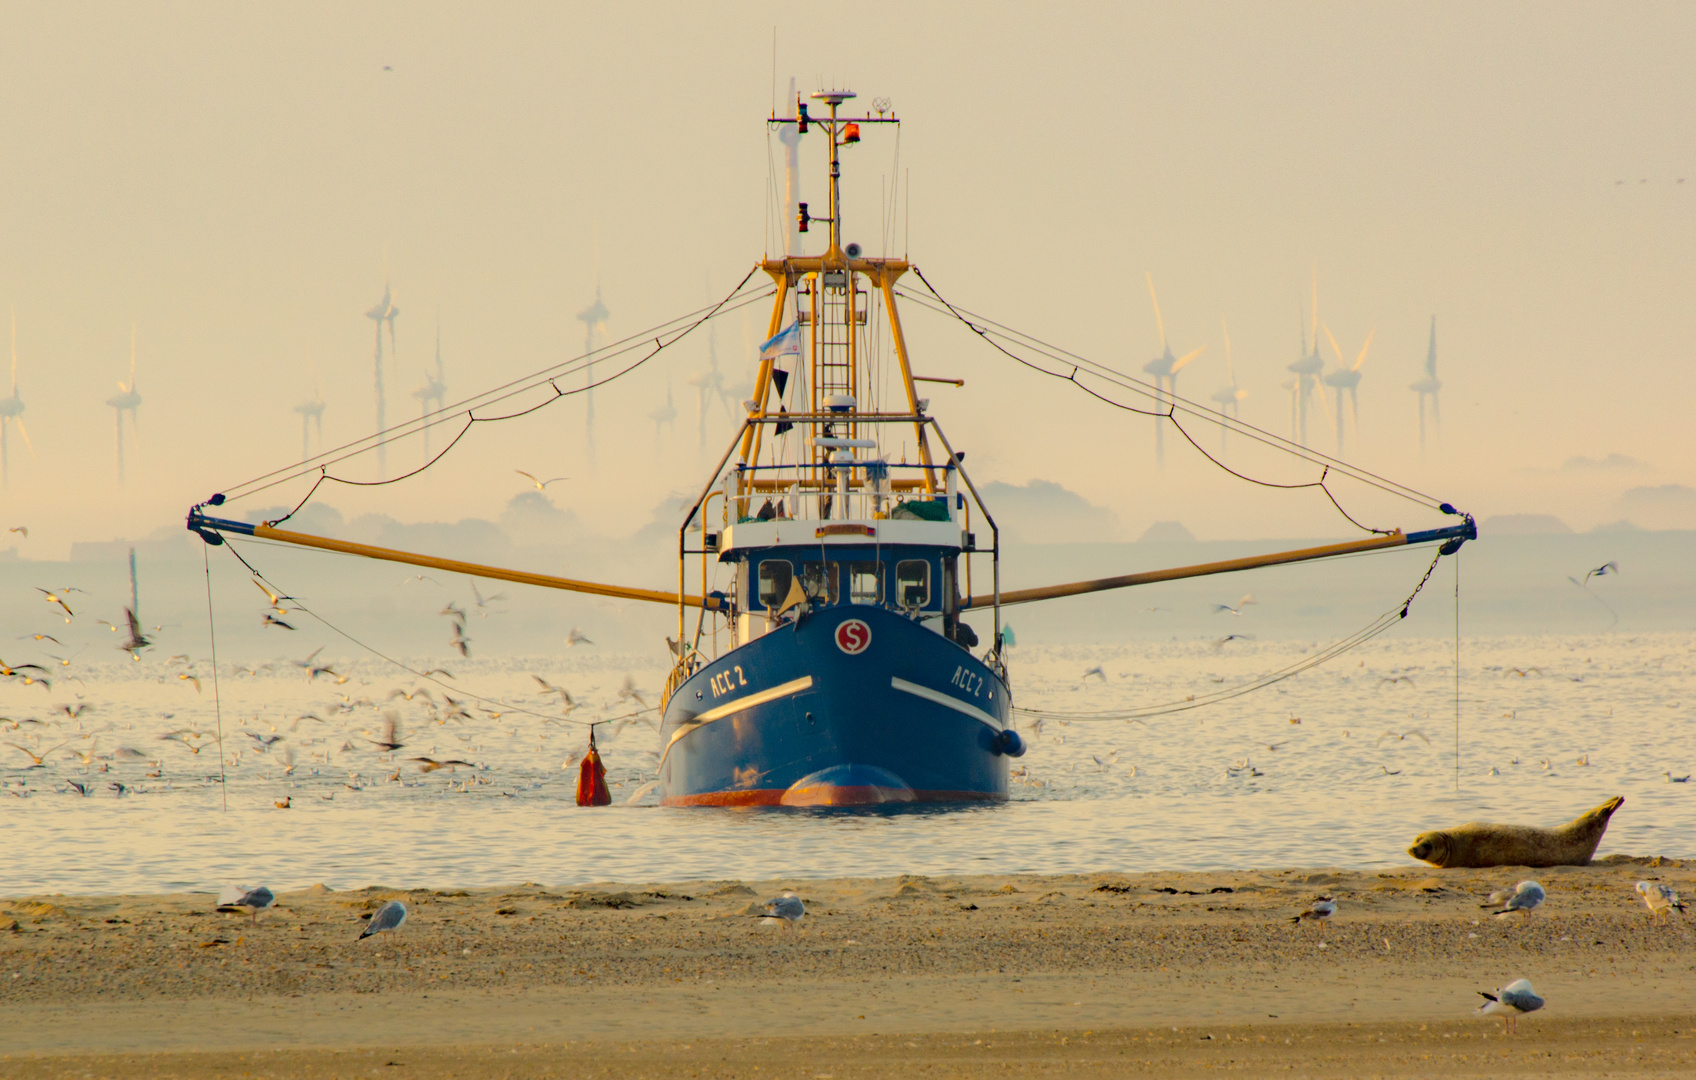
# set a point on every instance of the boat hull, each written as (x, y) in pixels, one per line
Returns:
(849, 706)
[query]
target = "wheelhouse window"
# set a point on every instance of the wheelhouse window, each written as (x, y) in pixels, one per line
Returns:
(775, 576)
(912, 583)
(818, 579)
(865, 583)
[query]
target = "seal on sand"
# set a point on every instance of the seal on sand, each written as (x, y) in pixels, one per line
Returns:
(1478, 844)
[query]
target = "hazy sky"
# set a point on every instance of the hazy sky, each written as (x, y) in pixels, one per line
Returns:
(230, 179)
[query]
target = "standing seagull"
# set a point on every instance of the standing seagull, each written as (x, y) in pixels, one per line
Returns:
(787, 909)
(1319, 911)
(1527, 897)
(1510, 1002)
(1660, 898)
(389, 917)
(241, 900)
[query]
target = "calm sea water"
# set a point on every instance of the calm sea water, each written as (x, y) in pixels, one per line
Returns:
(1549, 726)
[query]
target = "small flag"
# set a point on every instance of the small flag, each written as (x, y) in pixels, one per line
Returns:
(787, 343)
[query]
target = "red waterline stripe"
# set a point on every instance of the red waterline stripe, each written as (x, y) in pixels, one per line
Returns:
(774, 797)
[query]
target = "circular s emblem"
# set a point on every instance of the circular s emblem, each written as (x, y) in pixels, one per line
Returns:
(853, 636)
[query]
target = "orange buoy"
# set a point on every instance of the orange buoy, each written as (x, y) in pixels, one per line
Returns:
(592, 778)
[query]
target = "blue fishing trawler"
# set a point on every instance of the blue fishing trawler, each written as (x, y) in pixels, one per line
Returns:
(837, 669)
(826, 567)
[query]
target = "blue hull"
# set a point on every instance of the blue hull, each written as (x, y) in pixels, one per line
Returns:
(825, 713)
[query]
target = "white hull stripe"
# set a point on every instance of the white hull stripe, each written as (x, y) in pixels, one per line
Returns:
(794, 686)
(946, 700)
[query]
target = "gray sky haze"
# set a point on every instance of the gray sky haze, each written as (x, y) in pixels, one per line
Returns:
(232, 180)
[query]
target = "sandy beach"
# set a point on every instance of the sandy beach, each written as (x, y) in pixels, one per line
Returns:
(1150, 974)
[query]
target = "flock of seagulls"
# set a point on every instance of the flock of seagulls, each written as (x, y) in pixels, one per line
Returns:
(1517, 998)
(289, 749)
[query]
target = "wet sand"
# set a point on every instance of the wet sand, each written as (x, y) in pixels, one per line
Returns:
(1106, 974)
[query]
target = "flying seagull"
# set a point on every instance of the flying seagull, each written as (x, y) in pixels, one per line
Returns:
(540, 485)
(137, 639)
(1601, 571)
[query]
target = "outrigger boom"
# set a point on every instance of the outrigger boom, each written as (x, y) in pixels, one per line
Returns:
(1457, 533)
(211, 530)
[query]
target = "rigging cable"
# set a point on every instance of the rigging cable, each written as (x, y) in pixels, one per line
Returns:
(503, 706)
(661, 336)
(1457, 671)
(1260, 682)
(217, 701)
(1081, 365)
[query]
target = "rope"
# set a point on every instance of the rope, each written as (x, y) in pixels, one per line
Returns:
(1080, 364)
(217, 701)
(502, 705)
(655, 339)
(1260, 682)
(1457, 671)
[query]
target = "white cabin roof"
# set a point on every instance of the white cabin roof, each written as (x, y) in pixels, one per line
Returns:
(851, 533)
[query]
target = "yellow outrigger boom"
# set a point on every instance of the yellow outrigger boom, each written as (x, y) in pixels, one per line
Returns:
(1397, 538)
(211, 529)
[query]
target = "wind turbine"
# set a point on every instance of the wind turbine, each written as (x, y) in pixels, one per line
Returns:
(1294, 387)
(12, 409)
(1426, 386)
(1164, 368)
(127, 400)
(710, 383)
(594, 319)
(665, 416)
(434, 391)
(1307, 369)
(1347, 378)
(311, 415)
(1229, 397)
(384, 311)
